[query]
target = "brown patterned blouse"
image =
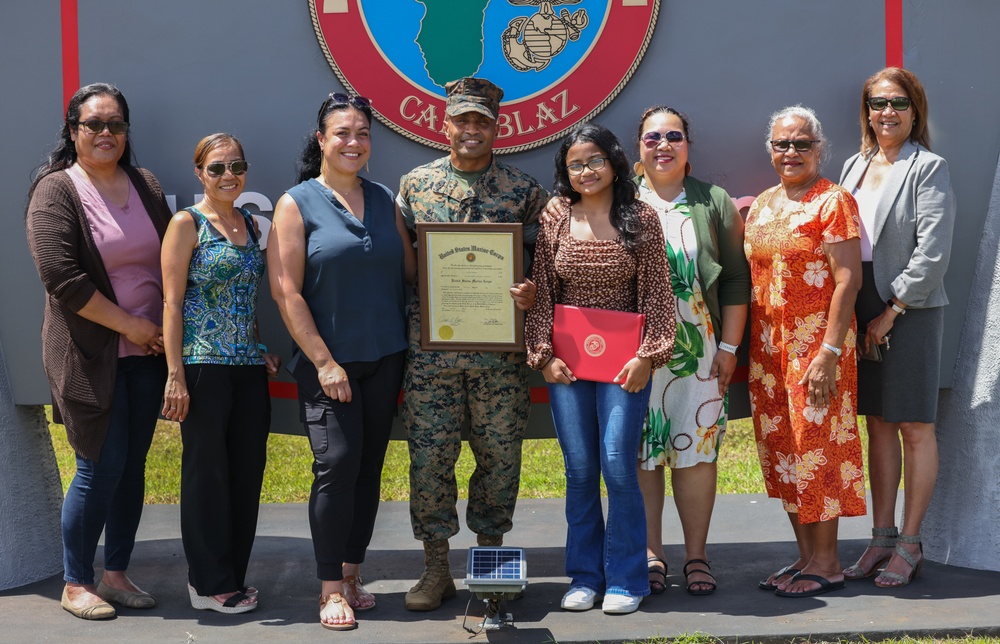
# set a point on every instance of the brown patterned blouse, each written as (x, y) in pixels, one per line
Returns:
(602, 274)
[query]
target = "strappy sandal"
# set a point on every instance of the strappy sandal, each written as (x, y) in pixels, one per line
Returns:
(355, 594)
(881, 538)
(706, 571)
(657, 587)
(335, 598)
(905, 555)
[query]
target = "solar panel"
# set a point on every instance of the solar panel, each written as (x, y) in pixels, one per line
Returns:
(501, 569)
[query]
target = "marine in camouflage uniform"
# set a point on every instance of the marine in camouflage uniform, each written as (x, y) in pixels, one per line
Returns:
(441, 387)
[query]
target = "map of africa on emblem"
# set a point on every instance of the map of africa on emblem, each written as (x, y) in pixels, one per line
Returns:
(558, 61)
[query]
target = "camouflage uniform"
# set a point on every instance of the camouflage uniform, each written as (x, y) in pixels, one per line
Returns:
(441, 387)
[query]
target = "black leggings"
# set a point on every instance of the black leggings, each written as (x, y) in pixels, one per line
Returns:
(222, 468)
(348, 441)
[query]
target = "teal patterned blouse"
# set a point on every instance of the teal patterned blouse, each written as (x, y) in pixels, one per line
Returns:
(220, 302)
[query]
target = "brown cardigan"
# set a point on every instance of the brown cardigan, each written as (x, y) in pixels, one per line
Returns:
(80, 357)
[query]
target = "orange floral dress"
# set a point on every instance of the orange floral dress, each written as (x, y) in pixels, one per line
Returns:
(810, 456)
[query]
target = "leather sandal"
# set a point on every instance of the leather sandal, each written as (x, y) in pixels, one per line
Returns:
(881, 538)
(707, 571)
(335, 598)
(657, 586)
(357, 597)
(905, 555)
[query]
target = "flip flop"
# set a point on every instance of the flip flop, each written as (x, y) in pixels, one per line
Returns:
(657, 587)
(825, 586)
(764, 584)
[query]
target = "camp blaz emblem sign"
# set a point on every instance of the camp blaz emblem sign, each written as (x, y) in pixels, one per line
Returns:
(559, 62)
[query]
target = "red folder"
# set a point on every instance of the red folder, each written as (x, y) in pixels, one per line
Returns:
(596, 343)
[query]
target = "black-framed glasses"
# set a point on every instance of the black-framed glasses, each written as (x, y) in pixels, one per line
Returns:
(95, 126)
(594, 164)
(898, 103)
(652, 139)
(218, 168)
(800, 145)
(359, 102)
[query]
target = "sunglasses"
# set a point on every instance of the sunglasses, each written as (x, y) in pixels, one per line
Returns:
(96, 127)
(879, 103)
(800, 145)
(359, 102)
(593, 164)
(217, 169)
(652, 139)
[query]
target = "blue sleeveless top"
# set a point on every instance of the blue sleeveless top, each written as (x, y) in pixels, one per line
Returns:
(220, 302)
(354, 279)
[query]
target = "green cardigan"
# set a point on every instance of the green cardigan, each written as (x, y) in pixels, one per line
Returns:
(723, 272)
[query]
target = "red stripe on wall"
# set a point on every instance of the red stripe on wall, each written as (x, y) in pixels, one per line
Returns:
(70, 49)
(893, 33)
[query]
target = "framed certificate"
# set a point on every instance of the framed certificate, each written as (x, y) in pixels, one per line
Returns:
(465, 271)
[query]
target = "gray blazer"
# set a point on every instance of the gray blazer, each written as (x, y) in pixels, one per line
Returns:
(914, 219)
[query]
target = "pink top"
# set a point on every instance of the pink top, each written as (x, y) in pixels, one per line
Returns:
(130, 249)
(601, 274)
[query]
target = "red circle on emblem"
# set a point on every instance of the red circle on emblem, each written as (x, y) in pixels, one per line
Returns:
(535, 120)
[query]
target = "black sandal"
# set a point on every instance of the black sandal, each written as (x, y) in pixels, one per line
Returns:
(657, 587)
(707, 571)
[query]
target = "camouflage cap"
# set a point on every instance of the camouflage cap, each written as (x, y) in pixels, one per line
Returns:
(473, 95)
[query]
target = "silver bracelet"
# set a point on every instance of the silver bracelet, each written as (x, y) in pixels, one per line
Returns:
(838, 351)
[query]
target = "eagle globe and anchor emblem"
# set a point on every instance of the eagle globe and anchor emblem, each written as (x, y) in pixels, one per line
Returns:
(559, 62)
(531, 43)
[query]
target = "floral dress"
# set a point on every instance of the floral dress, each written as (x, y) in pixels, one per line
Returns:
(686, 419)
(810, 456)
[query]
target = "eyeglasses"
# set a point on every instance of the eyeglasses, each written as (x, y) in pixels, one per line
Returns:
(96, 127)
(800, 145)
(218, 168)
(594, 164)
(879, 103)
(652, 139)
(359, 102)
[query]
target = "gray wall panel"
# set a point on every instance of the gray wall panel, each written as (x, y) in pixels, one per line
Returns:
(254, 68)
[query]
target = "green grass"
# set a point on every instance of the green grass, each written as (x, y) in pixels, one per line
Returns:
(289, 474)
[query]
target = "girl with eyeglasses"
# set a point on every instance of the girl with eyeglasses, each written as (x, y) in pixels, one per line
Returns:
(907, 215)
(801, 241)
(216, 388)
(340, 258)
(604, 252)
(94, 224)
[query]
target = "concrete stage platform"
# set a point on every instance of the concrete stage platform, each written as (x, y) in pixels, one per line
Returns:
(750, 538)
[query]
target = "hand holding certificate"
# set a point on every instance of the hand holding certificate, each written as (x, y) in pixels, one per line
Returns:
(465, 275)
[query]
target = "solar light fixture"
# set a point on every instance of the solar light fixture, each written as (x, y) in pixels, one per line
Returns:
(494, 575)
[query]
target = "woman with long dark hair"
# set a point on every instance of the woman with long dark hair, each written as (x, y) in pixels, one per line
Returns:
(339, 254)
(94, 224)
(605, 253)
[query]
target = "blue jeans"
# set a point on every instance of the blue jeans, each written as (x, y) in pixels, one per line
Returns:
(599, 426)
(107, 494)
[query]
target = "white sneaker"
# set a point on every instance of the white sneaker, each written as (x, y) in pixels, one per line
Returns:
(579, 598)
(620, 604)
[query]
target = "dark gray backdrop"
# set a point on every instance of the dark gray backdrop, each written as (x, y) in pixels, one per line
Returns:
(254, 68)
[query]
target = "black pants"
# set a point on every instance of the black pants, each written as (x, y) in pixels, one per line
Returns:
(348, 441)
(222, 468)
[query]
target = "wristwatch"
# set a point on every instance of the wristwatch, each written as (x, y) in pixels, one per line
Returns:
(729, 348)
(895, 307)
(837, 350)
